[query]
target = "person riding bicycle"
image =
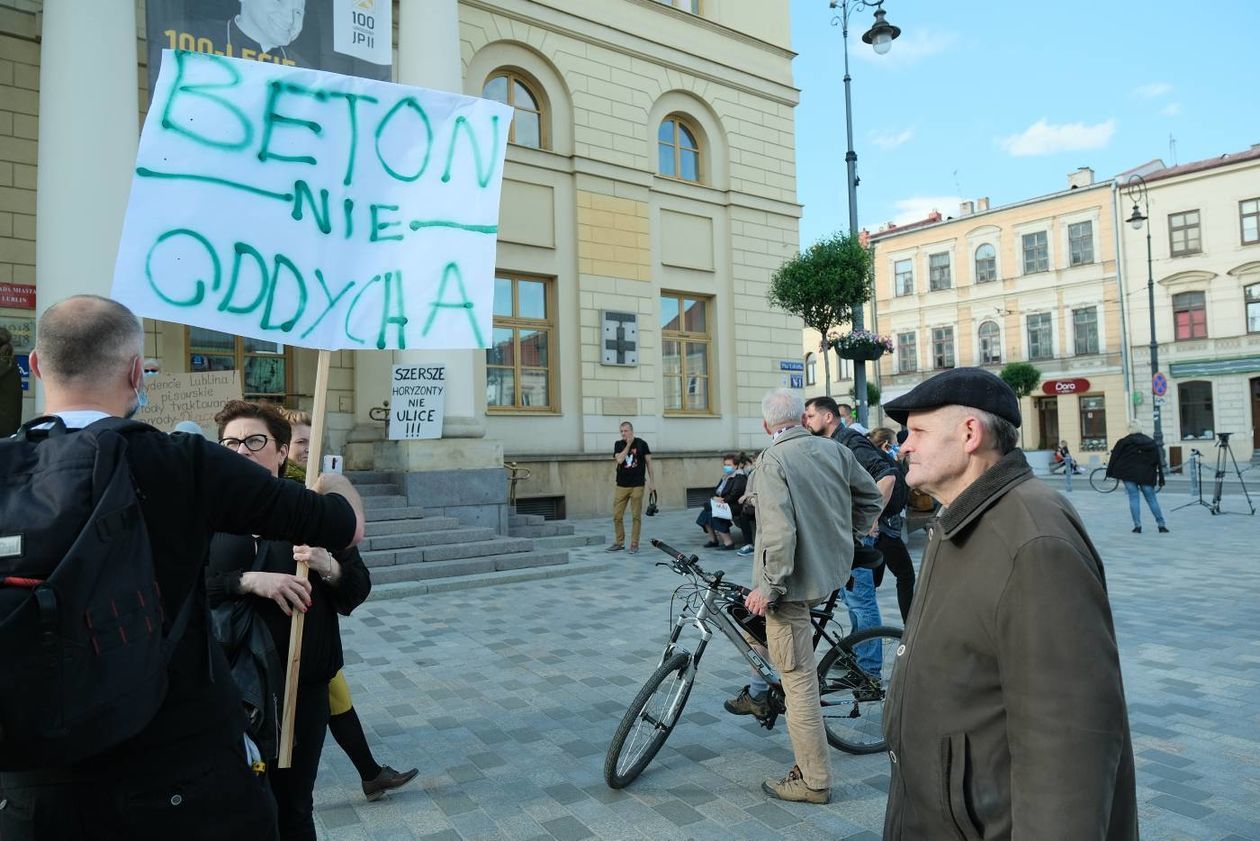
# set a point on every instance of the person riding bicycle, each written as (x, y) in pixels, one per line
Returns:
(812, 499)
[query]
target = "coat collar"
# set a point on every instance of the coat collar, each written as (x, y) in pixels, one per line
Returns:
(789, 434)
(1010, 471)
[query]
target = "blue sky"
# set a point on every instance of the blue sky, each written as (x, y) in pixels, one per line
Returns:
(1004, 99)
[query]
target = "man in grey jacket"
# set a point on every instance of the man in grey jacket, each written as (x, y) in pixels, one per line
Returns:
(812, 498)
(1006, 716)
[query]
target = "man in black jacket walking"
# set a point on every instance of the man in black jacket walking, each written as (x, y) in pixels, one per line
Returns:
(1135, 461)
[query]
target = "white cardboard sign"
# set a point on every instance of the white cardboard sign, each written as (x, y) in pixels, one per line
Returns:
(314, 209)
(417, 396)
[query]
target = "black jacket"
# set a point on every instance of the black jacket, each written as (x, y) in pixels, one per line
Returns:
(1135, 458)
(736, 484)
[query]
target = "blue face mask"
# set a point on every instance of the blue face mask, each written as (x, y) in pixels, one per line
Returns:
(728, 468)
(896, 450)
(142, 400)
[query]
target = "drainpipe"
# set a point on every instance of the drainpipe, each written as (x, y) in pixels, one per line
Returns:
(1130, 412)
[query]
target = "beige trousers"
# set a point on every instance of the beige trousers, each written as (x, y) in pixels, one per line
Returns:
(790, 637)
(633, 496)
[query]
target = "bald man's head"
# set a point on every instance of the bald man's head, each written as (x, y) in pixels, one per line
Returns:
(87, 339)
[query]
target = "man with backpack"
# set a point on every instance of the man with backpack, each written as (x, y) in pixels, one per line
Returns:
(119, 718)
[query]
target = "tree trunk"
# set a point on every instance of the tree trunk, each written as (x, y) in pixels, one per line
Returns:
(826, 355)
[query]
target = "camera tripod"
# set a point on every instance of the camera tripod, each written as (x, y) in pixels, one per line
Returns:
(1224, 457)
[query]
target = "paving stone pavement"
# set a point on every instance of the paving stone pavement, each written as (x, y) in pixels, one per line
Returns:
(506, 698)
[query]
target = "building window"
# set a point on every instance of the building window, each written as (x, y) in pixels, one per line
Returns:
(1194, 400)
(1249, 220)
(938, 272)
(841, 368)
(518, 361)
(1183, 233)
(1252, 293)
(1080, 243)
(903, 276)
(512, 88)
(1036, 253)
(1040, 336)
(943, 347)
(692, 6)
(685, 341)
(1190, 315)
(986, 263)
(264, 366)
(1093, 423)
(678, 150)
(1085, 330)
(907, 353)
(990, 343)
(811, 369)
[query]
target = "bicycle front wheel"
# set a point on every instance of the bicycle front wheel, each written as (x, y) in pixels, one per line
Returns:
(853, 683)
(649, 721)
(1101, 482)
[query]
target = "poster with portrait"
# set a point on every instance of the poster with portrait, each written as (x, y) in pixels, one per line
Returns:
(351, 37)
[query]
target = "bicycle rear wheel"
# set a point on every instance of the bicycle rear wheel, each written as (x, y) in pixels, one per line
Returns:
(853, 683)
(1101, 482)
(649, 721)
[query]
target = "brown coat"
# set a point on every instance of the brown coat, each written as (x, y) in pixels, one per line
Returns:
(1006, 716)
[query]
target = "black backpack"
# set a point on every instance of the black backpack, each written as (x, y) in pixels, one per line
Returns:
(84, 639)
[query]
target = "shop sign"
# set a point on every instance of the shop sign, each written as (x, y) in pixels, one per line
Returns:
(18, 296)
(1073, 386)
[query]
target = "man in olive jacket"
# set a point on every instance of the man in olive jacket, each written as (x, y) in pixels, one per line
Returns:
(1006, 716)
(812, 498)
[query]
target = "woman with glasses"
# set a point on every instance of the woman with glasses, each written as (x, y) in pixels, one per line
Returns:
(253, 589)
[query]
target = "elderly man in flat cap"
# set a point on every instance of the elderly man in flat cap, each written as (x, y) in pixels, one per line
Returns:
(1006, 716)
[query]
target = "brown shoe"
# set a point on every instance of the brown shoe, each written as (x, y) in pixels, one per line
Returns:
(793, 788)
(745, 704)
(387, 780)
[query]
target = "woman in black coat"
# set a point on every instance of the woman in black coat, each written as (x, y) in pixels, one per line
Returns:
(1135, 461)
(10, 387)
(728, 490)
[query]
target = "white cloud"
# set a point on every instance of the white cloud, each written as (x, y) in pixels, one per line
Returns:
(917, 208)
(1042, 138)
(1172, 109)
(891, 139)
(1152, 90)
(910, 48)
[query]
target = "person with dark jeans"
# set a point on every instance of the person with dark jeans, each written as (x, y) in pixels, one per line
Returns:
(264, 572)
(186, 775)
(1136, 461)
(891, 524)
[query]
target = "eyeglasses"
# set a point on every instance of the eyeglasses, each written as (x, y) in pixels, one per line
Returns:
(253, 443)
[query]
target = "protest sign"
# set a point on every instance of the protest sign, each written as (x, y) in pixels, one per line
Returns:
(195, 397)
(416, 400)
(314, 209)
(345, 36)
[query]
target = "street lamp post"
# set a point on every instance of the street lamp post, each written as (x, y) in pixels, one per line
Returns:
(880, 36)
(1136, 188)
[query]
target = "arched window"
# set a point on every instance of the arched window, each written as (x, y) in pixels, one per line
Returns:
(528, 124)
(1252, 294)
(990, 343)
(811, 369)
(986, 263)
(679, 152)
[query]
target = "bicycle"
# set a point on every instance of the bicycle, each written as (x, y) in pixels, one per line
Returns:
(852, 698)
(1101, 482)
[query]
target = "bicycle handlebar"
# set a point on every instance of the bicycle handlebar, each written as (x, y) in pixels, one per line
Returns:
(684, 564)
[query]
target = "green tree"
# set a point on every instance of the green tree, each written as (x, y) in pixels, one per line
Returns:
(872, 394)
(823, 284)
(1022, 377)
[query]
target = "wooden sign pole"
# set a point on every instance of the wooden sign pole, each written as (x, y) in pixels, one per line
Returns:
(313, 461)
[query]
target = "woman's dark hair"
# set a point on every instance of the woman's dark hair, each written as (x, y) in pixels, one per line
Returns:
(731, 457)
(277, 426)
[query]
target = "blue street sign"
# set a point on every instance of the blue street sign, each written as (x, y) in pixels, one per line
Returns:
(798, 380)
(1159, 385)
(24, 368)
(791, 365)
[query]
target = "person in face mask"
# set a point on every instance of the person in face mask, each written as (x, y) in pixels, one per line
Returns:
(716, 516)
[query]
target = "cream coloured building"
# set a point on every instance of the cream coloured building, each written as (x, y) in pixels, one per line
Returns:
(1033, 281)
(1204, 227)
(650, 182)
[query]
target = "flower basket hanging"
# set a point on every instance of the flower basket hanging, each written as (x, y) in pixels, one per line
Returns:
(862, 345)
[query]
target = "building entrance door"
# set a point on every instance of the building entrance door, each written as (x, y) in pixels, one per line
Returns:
(1255, 413)
(1047, 422)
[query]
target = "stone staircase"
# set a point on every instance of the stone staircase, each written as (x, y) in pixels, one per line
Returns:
(404, 547)
(549, 534)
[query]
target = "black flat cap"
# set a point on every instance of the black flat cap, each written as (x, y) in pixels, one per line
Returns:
(974, 387)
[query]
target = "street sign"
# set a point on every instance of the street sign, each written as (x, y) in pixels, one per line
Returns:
(1159, 385)
(798, 380)
(1160, 401)
(791, 365)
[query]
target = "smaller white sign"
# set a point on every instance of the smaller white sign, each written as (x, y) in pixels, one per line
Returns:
(417, 396)
(363, 29)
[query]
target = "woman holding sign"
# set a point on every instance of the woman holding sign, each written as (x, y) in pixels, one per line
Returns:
(716, 516)
(262, 573)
